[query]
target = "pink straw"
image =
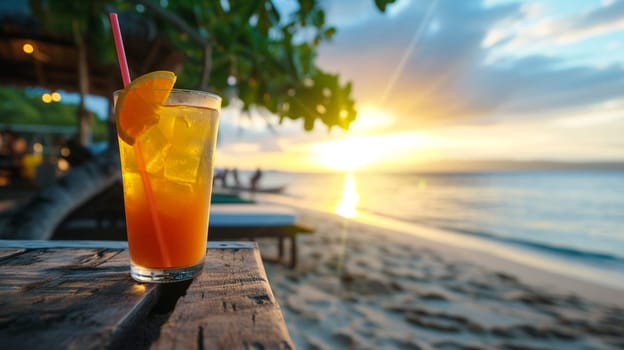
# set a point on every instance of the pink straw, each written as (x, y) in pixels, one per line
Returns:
(119, 46)
(125, 76)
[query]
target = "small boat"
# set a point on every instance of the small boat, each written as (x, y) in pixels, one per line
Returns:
(276, 189)
(235, 189)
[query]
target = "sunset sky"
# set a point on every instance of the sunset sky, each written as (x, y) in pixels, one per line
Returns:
(449, 82)
(457, 80)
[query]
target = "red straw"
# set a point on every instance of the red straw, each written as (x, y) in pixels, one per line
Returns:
(149, 194)
(119, 46)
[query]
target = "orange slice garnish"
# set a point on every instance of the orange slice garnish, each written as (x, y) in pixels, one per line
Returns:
(137, 104)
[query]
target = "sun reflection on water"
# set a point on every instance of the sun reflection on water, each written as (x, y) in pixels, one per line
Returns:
(346, 207)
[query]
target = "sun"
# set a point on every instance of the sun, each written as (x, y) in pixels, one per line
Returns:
(354, 152)
(357, 152)
(346, 154)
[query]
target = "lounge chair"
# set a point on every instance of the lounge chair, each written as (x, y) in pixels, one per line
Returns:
(103, 218)
(252, 221)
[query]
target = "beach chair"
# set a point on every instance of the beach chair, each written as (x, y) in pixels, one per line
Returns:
(104, 213)
(102, 217)
(252, 221)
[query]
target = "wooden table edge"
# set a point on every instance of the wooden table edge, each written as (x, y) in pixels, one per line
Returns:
(36, 244)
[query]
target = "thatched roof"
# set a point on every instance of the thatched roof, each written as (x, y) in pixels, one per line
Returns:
(54, 63)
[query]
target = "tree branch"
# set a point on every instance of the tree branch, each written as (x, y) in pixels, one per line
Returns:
(175, 20)
(194, 35)
(206, 68)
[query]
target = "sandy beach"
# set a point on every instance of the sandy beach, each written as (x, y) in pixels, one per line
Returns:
(359, 286)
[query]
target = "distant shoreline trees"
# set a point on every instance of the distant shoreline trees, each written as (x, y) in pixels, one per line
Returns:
(22, 108)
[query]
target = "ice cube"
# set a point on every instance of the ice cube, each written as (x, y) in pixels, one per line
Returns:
(187, 149)
(205, 164)
(182, 163)
(166, 122)
(154, 146)
(171, 198)
(128, 159)
(133, 189)
(207, 160)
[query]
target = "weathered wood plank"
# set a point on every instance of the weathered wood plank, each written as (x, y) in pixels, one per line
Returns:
(32, 244)
(81, 296)
(9, 252)
(230, 306)
(59, 298)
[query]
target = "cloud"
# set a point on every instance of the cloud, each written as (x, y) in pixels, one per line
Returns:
(534, 27)
(601, 20)
(348, 12)
(447, 78)
(611, 12)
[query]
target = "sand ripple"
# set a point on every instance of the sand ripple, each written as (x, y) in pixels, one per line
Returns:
(358, 288)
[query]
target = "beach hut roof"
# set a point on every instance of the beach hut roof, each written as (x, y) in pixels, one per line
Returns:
(54, 64)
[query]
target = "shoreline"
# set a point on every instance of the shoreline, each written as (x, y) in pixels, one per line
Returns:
(543, 270)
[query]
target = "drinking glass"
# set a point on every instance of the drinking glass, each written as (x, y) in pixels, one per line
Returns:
(167, 183)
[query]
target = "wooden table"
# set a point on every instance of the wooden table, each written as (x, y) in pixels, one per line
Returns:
(79, 295)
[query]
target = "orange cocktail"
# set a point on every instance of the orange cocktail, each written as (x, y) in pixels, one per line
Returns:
(167, 168)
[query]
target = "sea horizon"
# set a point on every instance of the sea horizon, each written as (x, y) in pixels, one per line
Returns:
(563, 221)
(468, 166)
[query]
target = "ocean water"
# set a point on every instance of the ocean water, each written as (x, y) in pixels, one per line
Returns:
(574, 220)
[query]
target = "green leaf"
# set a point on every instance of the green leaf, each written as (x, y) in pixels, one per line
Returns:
(318, 18)
(329, 33)
(382, 4)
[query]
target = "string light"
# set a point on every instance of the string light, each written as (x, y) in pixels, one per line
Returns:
(28, 48)
(51, 97)
(37, 147)
(62, 164)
